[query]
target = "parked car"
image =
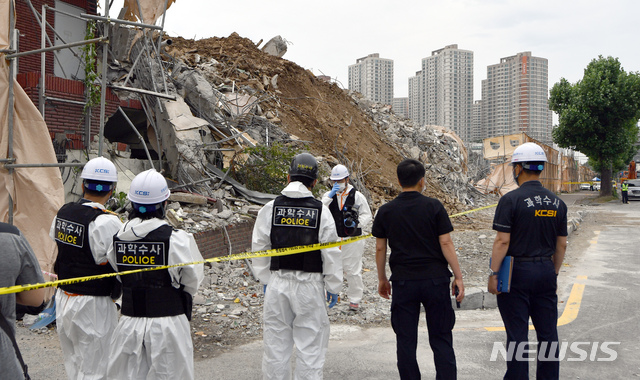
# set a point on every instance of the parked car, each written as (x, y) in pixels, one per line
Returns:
(585, 186)
(634, 189)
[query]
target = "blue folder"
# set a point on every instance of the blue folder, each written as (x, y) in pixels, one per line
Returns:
(504, 274)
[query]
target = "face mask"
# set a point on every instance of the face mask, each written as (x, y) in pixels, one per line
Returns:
(341, 187)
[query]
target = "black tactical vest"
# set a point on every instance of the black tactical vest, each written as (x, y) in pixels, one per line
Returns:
(296, 221)
(149, 294)
(340, 215)
(74, 253)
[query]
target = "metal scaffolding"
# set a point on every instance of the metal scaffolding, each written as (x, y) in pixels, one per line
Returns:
(13, 55)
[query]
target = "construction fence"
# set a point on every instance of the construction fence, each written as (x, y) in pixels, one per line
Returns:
(562, 173)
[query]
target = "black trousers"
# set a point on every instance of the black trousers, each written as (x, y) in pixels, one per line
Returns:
(625, 196)
(433, 294)
(533, 293)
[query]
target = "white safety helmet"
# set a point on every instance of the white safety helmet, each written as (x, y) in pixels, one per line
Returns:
(339, 172)
(529, 152)
(100, 169)
(148, 188)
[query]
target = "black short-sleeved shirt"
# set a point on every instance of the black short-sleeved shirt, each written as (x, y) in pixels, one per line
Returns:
(534, 216)
(412, 223)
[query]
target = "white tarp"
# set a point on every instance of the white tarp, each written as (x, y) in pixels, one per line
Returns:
(37, 193)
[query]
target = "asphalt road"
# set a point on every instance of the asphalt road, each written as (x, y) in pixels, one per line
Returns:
(602, 280)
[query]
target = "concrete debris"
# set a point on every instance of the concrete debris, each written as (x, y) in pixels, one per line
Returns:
(187, 198)
(442, 152)
(277, 46)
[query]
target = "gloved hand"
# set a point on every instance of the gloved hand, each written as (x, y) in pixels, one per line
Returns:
(332, 298)
(334, 189)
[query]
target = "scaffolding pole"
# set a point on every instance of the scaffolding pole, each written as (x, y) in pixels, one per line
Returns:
(10, 105)
(12, 54)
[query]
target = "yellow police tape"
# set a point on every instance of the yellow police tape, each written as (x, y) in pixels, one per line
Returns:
(236, 256)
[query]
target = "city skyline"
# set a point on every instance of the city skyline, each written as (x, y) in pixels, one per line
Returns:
(327, 38)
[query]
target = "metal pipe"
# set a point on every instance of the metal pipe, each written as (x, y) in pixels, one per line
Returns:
(164, 14)
(118, 21)
(43, 58)
(103, 79)
(193, 183)
(65, 13)
(155, 130)
(137, 133)
(37, 16)
(62, 165)
(146, 92)
(7, 160)
(59, 47)
(65, 100)
(10, 106)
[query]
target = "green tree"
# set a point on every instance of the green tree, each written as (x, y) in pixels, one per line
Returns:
(598, 115)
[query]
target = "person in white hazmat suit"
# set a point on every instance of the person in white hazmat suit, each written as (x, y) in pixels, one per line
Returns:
(294, 310)
(153, 337)
(86, 314)
(351, 214)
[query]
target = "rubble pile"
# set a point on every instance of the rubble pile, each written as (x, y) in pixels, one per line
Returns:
(228, 209)
(443, 153)
(230, 81)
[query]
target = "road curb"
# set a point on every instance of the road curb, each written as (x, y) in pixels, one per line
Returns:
(479, 298)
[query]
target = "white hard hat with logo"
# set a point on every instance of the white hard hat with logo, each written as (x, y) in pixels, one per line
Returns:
(529, 152)
(100, 169)
(148, 188)
(339, 172)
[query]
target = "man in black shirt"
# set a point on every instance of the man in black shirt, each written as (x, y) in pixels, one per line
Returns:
(532, 227)
(417, 229)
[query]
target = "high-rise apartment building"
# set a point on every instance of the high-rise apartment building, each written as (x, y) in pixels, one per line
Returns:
(372, 76)
(477, 133)
(442, 92)
(400, 107)
(515, 98)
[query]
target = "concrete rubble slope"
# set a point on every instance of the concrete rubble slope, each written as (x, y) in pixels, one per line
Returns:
(243, 96)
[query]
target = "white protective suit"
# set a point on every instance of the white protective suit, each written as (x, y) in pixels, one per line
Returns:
(352, 252)
(295, 310)
(85, 323)
(157, 348)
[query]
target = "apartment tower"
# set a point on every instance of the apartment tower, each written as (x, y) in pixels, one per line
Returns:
(515, 98)
(372, 76)
(444, 89)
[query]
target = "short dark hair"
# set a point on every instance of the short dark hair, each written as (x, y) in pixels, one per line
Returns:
(410, 172)
(308, 182)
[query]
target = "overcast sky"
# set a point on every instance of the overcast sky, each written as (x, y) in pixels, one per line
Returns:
(328, 36)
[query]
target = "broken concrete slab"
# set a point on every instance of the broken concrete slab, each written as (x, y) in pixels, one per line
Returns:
(277, 46)
(188, 198)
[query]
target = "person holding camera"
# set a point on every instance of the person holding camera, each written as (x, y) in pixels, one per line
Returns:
(350, 212)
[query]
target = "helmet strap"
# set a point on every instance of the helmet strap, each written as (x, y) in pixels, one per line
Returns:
(515, 176)
(97, 187)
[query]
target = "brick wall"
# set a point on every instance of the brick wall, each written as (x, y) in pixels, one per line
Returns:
(68, 118)
(214, 243)
(30, 32)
